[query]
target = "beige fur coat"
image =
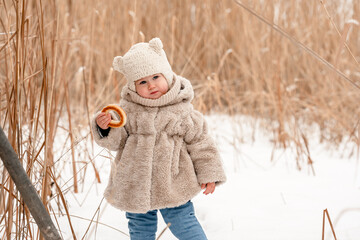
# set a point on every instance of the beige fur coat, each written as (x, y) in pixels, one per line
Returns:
(164, 152)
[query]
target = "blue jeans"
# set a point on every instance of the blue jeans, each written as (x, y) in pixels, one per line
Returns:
(184, 224)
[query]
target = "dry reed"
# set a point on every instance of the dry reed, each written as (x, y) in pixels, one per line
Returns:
(326, 212)
(55, 71)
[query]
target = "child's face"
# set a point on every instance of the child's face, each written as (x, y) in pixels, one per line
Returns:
(152, 87)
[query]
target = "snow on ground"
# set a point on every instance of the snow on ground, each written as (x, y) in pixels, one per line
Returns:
(262, 199)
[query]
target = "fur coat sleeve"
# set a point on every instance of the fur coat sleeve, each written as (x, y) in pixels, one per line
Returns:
(115, 139)
(203, 151)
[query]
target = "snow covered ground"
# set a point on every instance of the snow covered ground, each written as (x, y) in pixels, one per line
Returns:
(262, 199)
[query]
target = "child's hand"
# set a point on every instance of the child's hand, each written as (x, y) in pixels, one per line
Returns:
(103, 120)
(210, 188)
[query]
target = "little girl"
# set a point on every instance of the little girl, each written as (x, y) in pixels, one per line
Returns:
(165, 155)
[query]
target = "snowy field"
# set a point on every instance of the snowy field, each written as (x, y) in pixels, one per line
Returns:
(262, 199)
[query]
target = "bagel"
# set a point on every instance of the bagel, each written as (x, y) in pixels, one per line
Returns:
(119, 111)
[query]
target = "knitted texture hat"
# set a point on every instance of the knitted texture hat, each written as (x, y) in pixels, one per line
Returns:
(142, 60)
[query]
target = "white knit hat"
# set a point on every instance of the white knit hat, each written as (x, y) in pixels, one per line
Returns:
(142, 60)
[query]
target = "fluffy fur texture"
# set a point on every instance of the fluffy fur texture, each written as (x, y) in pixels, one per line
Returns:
(164, 152)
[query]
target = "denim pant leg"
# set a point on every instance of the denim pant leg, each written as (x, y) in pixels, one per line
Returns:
(184, 224)
(142, 226)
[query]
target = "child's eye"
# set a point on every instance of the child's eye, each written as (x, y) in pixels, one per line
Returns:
(142, 82)
(155, 77)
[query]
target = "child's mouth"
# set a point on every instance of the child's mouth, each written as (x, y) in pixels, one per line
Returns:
(154, 92)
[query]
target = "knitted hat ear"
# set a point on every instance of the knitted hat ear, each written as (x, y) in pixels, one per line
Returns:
(118, 64)
(156, 45)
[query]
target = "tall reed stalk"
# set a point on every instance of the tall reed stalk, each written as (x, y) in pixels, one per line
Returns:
(55, 72)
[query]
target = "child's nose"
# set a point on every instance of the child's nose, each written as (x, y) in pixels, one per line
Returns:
(151, 85)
